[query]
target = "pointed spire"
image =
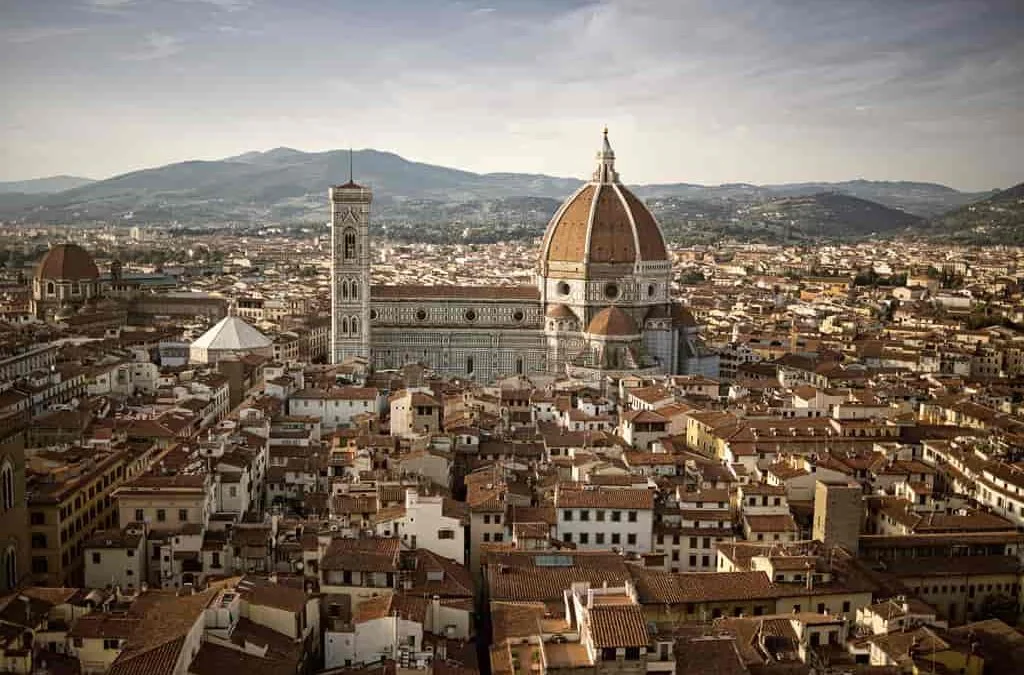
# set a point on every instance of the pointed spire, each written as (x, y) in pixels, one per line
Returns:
(350, 173)
(605, 172)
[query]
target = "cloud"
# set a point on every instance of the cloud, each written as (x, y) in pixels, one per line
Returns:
(156, 46)
(109, 5)
(225, 5)
(116, 5)
(226, 29)
(704, 90)
(40, 33)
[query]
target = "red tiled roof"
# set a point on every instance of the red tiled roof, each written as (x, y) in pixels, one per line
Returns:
(618, 626)
(363, 555)
(613, 498)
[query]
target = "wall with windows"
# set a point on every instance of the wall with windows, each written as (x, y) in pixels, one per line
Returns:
(485, 527)
(121, 563)
(482, 338)
(64, 515)
(602, 529)
(164, 512)
(425, 525)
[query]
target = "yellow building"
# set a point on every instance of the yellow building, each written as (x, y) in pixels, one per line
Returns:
(70, 498)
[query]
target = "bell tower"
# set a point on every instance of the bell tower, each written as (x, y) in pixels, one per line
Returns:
(350, 271)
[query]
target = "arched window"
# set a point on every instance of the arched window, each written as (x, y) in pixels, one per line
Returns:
(355, 326)
(350, 244)
(355, 289)
(51, 289)
(519, 366)
(344, 289)
(10, 568)
(344, 325)
(469, 365)
(7, 486)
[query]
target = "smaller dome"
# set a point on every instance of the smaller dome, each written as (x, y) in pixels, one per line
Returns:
(234, 334)
(67, 262)
(613, 322)
(560, 312)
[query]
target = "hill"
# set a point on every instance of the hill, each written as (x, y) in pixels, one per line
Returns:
(823, 215)
(285, 185)
(922, 199)
(38, 186)
(997, 219)
(280, 184)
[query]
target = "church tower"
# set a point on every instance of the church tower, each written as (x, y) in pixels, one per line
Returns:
(350, 271)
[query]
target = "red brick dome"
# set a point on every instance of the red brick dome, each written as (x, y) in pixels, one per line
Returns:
(603, 222)
(613, 322)
(67, 262)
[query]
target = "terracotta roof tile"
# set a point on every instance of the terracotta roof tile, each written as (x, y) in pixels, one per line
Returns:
(618, 626)
(611, 498)
(613, 322)
(364, 555)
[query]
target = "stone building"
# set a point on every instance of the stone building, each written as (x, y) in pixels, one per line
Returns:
(68, 287)
(66, 277)
(601, 306)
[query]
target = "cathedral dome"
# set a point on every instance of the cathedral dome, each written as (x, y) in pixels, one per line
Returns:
(560, 311)
(613, 322)
(603, 222)
(67, 262)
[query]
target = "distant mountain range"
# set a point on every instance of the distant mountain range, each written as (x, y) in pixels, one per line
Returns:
(39, 186)
(289, 186)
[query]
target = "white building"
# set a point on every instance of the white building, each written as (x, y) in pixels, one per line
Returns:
(386, 627)
(437, 524)
(595, 518)
(897, 614)
(337, 406)
(116, 558)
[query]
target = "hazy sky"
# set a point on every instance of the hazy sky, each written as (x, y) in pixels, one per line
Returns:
(697, 91)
